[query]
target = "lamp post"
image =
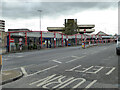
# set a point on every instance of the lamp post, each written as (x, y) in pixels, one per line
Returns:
(40, 18)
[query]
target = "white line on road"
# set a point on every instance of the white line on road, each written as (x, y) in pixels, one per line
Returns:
(19, 53)
(74, 56)
(76, 59)
(88, 86)
(56, 61)
(110, 71)
(73, 68)
(5, 59)
(24, 71)
(20, 67)
(19, 56)
(86, 69)
(42, 70)
(96, 70)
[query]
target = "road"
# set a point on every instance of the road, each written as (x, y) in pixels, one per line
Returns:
(69, 67)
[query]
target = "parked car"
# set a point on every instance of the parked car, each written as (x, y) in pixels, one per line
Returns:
(118, 46)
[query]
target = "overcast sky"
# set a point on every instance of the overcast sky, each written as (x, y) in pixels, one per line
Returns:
(24, 14)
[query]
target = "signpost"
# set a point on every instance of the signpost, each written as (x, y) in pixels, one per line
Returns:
(20, 43)
(54, 40)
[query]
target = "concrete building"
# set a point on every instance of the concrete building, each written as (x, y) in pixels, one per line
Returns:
(88, 28)
(22, 29)
(3, 37)
(2, 25)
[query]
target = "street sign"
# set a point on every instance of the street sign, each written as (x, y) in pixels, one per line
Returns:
(54, 39)
(20, 43)
(12, 40)
(20, 39)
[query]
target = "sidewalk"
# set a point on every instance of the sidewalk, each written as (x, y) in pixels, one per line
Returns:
(2, 50)
(9, 76)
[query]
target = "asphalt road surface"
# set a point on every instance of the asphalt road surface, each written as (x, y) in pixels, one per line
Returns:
(69, 67)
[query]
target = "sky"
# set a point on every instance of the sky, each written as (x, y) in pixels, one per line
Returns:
(24, 14)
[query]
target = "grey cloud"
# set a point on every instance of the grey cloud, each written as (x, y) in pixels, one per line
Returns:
(28, 10)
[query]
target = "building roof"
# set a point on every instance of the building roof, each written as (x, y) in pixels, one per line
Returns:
(86, 30)
(18, 30)
(86, 26)
(102, 33)
(55, 28)
(2, 25)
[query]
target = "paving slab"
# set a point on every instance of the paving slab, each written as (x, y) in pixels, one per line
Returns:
(10, 75)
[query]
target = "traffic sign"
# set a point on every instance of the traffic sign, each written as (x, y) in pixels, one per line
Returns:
(12, 40)
(20, 39)
(54, 39)
(20, 43)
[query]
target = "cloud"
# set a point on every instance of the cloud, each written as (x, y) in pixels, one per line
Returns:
(26, 9)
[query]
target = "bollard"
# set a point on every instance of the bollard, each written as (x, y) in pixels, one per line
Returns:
(83, 44)
(89, 43)
(93, 42)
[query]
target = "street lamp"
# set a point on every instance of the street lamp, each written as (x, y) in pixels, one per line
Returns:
(40, 18)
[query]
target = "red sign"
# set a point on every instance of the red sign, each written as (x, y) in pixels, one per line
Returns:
(12, 40)
(20, 39)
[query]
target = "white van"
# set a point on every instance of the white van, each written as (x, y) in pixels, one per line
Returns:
(118, 46)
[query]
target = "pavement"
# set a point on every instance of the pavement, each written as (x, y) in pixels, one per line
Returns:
(2, 50)
(12, 75)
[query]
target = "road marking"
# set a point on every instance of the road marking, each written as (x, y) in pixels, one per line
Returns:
(19, 56)
(60, 81)
(73, 68)
(20, 67)
(19, 53)
(44, 79)
(86, 69)
(75, 56)
(24, 71)
(83, 80)
(5, 59)
(75, 59)
(42, 70)
(97, 70)
(108, 73)
(56, 61)
(88, 86)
